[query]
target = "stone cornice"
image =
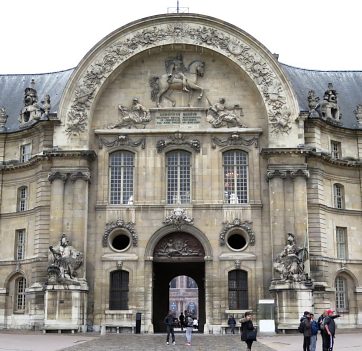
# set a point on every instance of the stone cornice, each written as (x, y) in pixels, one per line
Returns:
(328, 259)
(282, 151)
(336, 211)
(45, 157)
(331, 127)
(23, 262)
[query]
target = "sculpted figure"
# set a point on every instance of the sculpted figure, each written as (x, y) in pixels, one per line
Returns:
(219, 115)
(132, 116)
(290, 262)
(65, 260)
(176, 71)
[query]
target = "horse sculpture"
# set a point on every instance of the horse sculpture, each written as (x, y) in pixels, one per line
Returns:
(163, 86)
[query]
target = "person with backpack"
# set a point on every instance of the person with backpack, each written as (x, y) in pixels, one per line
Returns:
(189, 322)
(305, 327)
(169, 321)
(314, 332)
(248, 331)
(328, 330)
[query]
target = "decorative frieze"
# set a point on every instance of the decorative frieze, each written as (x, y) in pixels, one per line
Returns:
(237, 224)
(122, 140)
(178, 139)
(120, 224)
(256, 66)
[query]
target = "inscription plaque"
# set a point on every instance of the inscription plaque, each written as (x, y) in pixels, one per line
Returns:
(171, 117)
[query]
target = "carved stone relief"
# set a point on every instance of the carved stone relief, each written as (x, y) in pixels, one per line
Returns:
(218, 115)
(234, 140)
(134, 116)
(358, 114)
(122, 140)
(178, 139)
(178, 218)
(3, 118)
(284, 173)
(178, 245)
(249, 60)
(120, 224)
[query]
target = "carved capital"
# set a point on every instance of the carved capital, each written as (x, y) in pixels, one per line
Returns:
(120, 224)
(57, 175)
(80, 175)
(287, 173)
(246, 226)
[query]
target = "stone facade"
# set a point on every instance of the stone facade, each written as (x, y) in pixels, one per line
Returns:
(179, 84)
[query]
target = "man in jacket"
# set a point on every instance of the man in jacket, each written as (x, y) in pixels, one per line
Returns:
(169, 321)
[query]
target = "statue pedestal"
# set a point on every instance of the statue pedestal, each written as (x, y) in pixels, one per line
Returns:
(66, 307)
(292, 299)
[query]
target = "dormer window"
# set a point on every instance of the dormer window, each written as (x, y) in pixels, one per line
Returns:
(25, 152)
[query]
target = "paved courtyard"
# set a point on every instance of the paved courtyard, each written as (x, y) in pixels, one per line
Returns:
(35, 341)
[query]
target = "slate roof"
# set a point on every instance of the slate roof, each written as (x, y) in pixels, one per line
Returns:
(348, 85)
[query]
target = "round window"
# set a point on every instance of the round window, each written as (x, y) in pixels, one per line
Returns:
(236, 241)
(119, 241)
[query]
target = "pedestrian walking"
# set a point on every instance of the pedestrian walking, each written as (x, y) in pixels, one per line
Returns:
(314, 332)
(248, 331)
(189, 323)
(169, 321)
(181, 318)
(232, 324)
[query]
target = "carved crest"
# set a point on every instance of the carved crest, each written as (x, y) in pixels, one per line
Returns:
(178, 218)
(178, 139)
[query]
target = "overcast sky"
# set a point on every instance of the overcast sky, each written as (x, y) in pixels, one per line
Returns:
(39, 36)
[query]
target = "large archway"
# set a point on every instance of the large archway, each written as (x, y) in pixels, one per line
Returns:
(177, 253)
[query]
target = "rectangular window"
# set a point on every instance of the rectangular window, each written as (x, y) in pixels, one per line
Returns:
(20, 244)
(22, 198)
(238, 290)
(20, 285)
(178, 177)
(25, 152)
(341, 294)
(341, 239)
(336, 150)
(121, 165)
(338, 191)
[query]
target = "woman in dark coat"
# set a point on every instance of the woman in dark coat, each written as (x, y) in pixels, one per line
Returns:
(247, 328)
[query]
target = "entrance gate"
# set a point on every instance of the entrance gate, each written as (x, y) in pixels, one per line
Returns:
(176, 254)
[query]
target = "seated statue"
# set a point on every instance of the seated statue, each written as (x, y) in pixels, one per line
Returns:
(65, 260)
(290, 262)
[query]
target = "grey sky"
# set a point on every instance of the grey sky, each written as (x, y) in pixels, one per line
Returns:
(45, 35)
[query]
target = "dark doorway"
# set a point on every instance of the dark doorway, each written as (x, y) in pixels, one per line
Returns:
(163, 273)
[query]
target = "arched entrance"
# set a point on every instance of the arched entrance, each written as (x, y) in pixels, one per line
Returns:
(178, 253)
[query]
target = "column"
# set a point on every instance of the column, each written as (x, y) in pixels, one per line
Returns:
(57, 180)
(80, 212)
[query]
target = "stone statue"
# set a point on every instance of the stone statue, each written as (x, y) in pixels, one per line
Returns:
(290, 262)
(31, 110)
(327, 108)
(176, 68)
(3, 118)
(132, 116)
(218, 115)
(65, 260)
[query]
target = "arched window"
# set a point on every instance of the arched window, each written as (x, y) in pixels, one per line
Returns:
(178, 165)
(238, 289)
(22, 204)
(235, 164)
(118, 292)
(121, 165)
(341, 294)
(20, 285)
(338, 194)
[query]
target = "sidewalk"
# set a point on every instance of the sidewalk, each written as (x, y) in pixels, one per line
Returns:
(36, 341)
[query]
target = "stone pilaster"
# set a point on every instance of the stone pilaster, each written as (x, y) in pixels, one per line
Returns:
(80, 211)
(57, 180)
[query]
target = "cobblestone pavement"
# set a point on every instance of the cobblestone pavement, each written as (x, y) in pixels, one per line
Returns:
(132, 342)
